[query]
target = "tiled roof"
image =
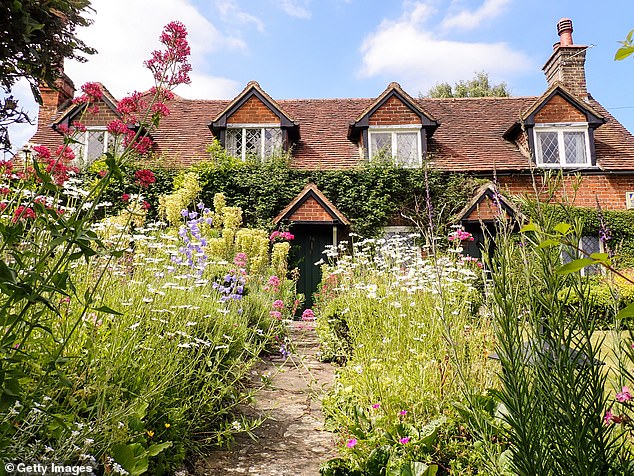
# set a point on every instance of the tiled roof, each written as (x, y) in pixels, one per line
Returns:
(469, 137)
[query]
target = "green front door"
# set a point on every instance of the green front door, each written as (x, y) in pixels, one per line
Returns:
(309, 244)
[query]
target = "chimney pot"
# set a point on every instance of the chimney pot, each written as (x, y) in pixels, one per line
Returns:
(564, 30)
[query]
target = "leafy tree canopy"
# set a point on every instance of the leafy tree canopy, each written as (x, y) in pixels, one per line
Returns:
(479, 86)
(35, 37)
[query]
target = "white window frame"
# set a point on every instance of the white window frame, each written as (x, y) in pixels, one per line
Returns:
(561, 129)
(394, 131)
(262, 127)
(83, 161)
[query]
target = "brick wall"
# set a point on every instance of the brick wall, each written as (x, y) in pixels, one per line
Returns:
(485, 210)
(54, 99)
(101, 118)
(393, 112)
(609, 190)
(311, 210)
(559, 110)
(567, 66)
(253, 111)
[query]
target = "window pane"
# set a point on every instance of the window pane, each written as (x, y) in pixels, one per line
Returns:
(272, 142)
(253, 142)
(548, 147)
(381, 145)
(575, 147)
(95, 145)
(233, 142)
(407, 149)
(591, 244)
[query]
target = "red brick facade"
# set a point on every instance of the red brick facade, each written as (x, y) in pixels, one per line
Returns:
(559, 109)
(311, 210)
(608, 189)
(253, 111)
(483, 211)
(393, 112)
(101, 118)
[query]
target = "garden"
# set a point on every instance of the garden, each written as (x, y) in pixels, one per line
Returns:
(136, 304)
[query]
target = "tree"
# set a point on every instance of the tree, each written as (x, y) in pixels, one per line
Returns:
(35, 37)
(479, 86)
(627, 49)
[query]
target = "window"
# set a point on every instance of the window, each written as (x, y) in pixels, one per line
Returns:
(91, 145)
(402, 146)
(243, 142)
(562, 145)
(589, 244)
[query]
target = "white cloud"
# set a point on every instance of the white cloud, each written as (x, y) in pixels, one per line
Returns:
(230, 12)
(208, 87)
(124, 41)
(296, 8)
(470, 19)
(408, 51)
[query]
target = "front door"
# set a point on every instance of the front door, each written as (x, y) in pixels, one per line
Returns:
(309, 245)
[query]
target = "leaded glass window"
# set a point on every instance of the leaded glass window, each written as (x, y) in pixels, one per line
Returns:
(91, 145)
(562, 145)
(244, 142)
(587, 245)
(402, 147)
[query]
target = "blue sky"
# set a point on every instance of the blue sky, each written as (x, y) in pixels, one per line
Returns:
(354, 48)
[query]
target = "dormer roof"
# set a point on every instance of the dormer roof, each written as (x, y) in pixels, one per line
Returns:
(393, 90)
(73, 110)
(303, 207)
(254, 90)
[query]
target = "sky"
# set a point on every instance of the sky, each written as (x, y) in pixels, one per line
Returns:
(353, 48)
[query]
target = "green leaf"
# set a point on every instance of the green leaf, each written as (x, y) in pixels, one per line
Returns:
(133, 458)
(626, 312)
(562, 228)
(157, 448)
(623, 52)
(603, 258)
(7, 275)
(576, 265)
(417, 468)
(377, 461)
(107, 310)
(549, 243)
(530, 227)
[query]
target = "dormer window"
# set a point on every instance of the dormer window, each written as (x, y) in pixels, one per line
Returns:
(91, 145)
(398, 144)
(253, 141)
(562, 145)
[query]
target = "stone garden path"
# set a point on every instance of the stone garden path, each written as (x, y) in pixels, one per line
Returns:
(292, 441)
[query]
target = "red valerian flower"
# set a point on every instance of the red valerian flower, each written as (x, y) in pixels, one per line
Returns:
(160, 109)
(130, 106)
(23, 213)
(79, 126)
(59, 171)
(146, 205)
(117, 127)
(125, 197)
(141, 146)
(6, 167)
(102, 173)
(170, 67)
(144, 178)
(92, 93)
(65, 153)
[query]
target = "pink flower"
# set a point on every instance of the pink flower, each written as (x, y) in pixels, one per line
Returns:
(42, 152)
(93, 91)
(308, 315)
(117, 127)
(608, 418)
(79, 126)
(125, 197)
(146, 205)
(160, 109)
(403, 412)
(274, 281)
(171, 67)
(404, 441)
(624, 395)
(240, 259)
(23, 212)
(351, 443)
(278, 304)
(130, 106)
(376, 405)
(276, 315)
(144, 178)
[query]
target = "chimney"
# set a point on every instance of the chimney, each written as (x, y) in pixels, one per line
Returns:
(55, 99)
(567, 63)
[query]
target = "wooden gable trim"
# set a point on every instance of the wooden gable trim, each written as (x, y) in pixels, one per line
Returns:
(311, 191)
(253, 90)
(593, 118)
(488, 191)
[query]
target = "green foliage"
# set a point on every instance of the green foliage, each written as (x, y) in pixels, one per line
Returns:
(368, 196)
(479, 86)
(619, 223)
(627, 48)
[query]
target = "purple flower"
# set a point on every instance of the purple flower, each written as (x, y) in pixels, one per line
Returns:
(351, 443)
(404, 441)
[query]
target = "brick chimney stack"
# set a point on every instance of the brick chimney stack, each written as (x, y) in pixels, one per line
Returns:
(567, 63)
(55, 99)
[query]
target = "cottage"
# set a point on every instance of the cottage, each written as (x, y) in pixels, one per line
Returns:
(564, 128)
